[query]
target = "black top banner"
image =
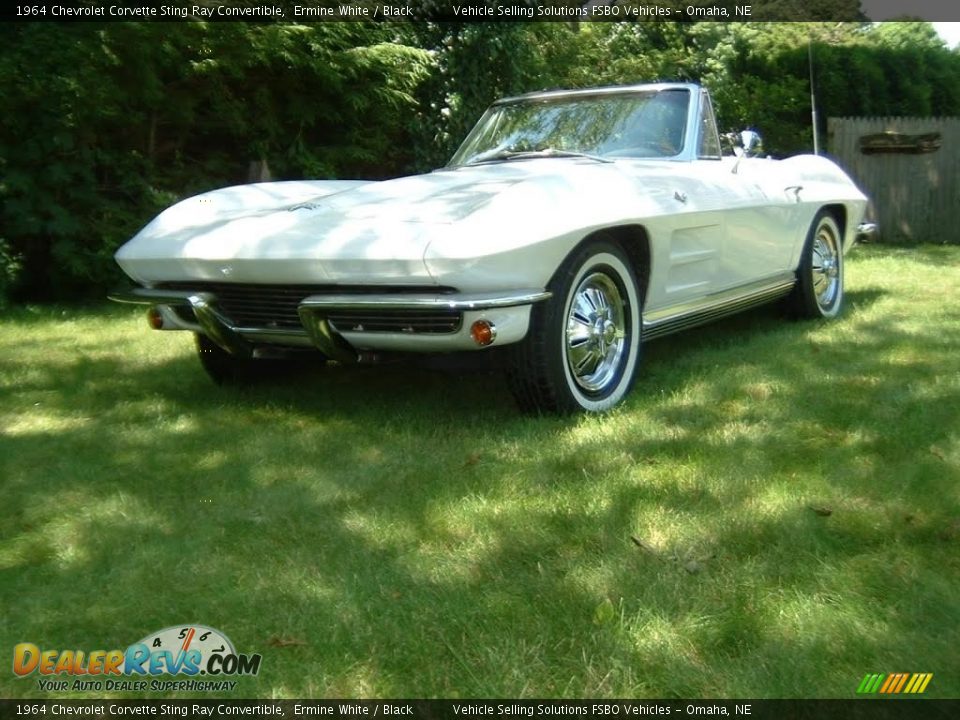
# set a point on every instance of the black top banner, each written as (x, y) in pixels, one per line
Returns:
(863, 709)
(304, 11)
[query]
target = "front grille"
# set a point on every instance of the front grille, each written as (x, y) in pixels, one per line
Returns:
(407, 321)
(255, 306)
(275, 307)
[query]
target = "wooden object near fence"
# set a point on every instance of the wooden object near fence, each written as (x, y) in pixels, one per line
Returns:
(910, 169)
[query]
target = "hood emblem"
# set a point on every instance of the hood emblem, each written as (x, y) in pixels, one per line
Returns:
(304, 206)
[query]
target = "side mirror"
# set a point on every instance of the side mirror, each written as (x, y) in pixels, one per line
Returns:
(746, 143)
(752, 143)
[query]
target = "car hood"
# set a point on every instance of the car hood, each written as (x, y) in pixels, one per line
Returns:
(317, 231)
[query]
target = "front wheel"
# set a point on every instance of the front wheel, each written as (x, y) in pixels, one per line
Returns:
(819, 289)
(226, 369)
(583, 346)
(222, 367)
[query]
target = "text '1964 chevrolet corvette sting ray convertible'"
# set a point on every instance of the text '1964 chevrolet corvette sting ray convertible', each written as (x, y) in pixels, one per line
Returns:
(568, 228)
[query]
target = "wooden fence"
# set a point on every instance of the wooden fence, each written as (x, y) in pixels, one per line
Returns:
(910, 169)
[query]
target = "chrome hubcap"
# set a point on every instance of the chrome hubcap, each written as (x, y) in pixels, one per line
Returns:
(826, 268)
(596, 332)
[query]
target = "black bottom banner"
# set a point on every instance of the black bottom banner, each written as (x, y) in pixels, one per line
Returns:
(872, 709)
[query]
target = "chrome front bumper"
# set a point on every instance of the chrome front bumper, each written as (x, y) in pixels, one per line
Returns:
(508, 311)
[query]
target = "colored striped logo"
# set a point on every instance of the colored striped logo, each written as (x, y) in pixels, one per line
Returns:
(894, 683)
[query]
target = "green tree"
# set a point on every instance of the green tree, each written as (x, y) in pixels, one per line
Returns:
(106, 124)
(476, 63)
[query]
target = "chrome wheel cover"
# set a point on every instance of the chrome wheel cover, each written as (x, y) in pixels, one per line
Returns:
(825, 267)
(596, 335)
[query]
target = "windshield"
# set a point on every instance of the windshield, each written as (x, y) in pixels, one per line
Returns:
(643, 124)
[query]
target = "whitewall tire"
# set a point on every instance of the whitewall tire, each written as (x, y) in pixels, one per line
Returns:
(819, 289)
(583, 347)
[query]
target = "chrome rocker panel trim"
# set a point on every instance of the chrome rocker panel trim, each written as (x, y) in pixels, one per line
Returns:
(716, 307)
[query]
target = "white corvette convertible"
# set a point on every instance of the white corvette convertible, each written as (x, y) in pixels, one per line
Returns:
(569, 228)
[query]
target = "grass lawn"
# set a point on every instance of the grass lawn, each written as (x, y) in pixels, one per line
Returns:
(774, 512)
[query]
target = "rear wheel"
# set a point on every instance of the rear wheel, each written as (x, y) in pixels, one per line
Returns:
(583, 346)
(819, 289)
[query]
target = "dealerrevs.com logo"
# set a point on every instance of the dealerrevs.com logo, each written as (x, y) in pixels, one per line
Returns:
(186, 650)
